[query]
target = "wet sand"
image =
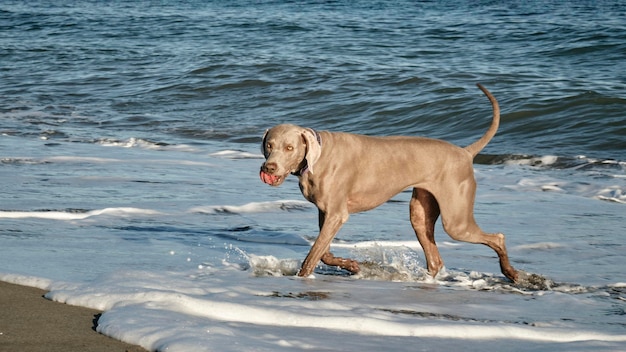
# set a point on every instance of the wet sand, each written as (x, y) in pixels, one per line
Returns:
(29, 322)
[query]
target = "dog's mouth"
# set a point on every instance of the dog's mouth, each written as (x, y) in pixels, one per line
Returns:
(272, 180)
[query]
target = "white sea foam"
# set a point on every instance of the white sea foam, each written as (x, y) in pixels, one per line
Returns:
(551, 187)
(545, 160)
(173, 312)
(236, 154)
(26, 280)
(271, 266)
(262, 306)
(128, 143)
(612, 194)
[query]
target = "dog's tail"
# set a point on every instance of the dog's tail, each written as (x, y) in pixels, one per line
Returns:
(477, 146)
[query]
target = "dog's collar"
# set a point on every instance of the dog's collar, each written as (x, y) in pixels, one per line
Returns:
(305, 168)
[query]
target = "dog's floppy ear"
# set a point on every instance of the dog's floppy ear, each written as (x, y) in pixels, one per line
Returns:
(313, 148)
(263, 142)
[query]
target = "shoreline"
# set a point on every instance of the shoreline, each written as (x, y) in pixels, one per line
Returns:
(30, 322)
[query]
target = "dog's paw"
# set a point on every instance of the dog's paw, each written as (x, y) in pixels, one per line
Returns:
(533, 282)
(352, 266)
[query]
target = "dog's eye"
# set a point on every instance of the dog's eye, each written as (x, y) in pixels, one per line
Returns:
(268, 146)
(289, 148)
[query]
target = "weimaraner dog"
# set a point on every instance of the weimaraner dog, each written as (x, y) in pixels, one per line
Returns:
(344, 173)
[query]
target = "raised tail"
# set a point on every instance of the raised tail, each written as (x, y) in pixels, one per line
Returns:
(477, 146)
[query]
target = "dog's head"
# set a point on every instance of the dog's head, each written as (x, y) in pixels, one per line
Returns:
(288, 149)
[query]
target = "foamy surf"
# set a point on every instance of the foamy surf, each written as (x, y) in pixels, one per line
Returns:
(402, 261)
(210, 308)
(402, 264)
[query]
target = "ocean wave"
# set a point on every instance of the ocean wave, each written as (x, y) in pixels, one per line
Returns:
(579, 162)
(254, 207)
(600, 179)
(99, 160)
(58, 159)
(24, 161)
(134, 142)
(539, 246)
(80, 159)
(77, 214)
(615, 193)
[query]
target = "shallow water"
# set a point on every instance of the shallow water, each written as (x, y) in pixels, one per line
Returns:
(178, 260)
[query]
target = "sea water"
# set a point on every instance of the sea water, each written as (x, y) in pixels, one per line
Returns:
(129, 158)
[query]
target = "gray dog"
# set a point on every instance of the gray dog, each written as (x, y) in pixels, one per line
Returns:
(344, 173)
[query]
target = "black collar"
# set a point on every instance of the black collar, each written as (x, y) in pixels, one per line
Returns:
(305, 167)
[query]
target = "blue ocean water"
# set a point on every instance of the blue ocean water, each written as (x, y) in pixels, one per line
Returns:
(129, 156)
(225, 70)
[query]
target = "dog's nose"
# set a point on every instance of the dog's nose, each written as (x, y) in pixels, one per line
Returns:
(270, 168)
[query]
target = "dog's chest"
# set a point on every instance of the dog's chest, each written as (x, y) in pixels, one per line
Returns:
(308, 189)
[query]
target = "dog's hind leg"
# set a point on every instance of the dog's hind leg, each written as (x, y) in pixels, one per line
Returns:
(494, 241)
(463, 227)
(456, 203)
(424, 213)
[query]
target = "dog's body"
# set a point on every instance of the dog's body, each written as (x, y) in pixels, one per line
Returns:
(344, 173)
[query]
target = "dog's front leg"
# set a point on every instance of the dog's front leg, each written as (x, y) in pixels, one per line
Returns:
(329, 226)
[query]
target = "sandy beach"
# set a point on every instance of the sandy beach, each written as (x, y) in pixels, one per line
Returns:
(29, 322)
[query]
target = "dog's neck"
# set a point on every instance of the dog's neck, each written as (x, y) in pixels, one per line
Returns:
(304, 166)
